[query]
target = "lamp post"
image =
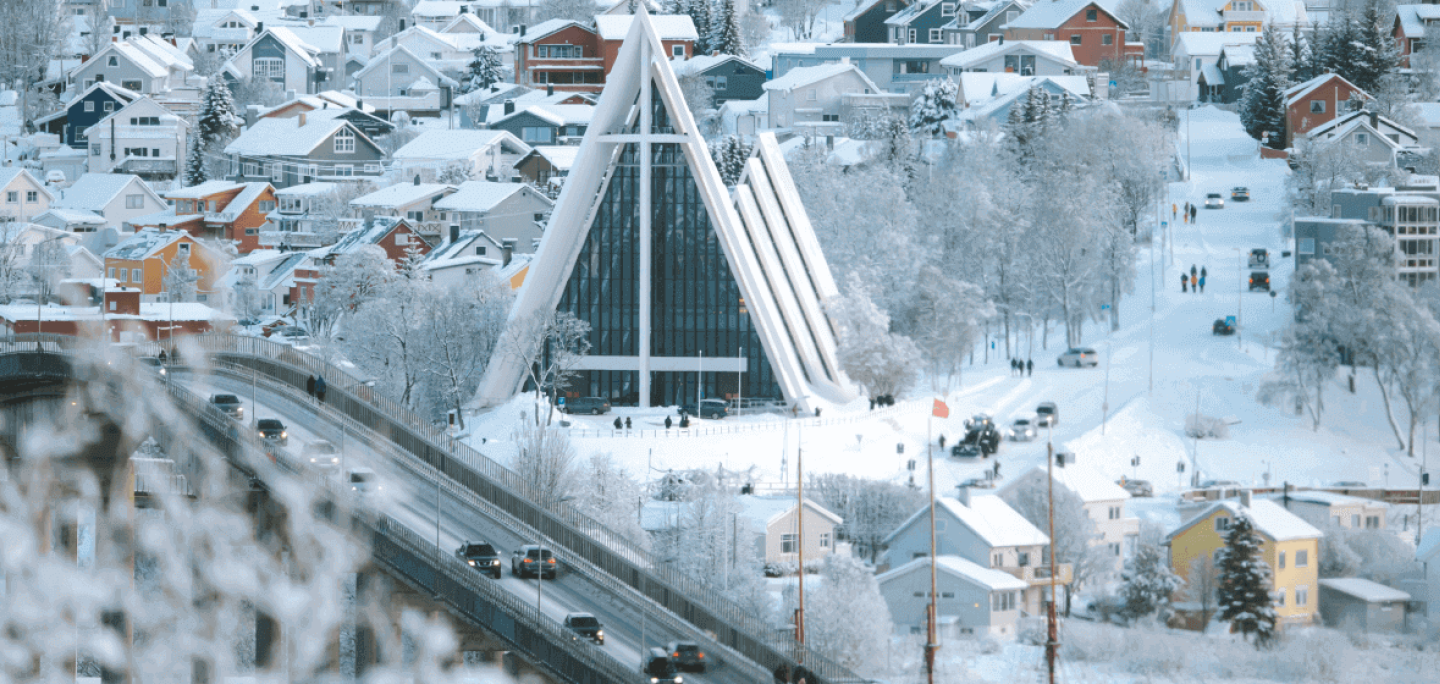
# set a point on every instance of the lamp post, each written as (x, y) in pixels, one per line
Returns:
(1240, 299)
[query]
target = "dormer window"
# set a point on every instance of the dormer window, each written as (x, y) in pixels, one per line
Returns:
(112, 61)
(1222, 523)
(344, 142)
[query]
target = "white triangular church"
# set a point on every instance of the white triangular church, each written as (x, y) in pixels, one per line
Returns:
(688, 291)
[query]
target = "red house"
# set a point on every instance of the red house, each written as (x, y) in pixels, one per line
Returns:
(1096, 36)
(1316, 101)
(393, 234)
(574, 56)
(1411, 23)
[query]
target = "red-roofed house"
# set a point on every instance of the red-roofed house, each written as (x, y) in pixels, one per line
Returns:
(1095, 35)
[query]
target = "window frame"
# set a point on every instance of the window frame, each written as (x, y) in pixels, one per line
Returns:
(789, 543)
(344, 141)
(135, 201)
(1317, 106)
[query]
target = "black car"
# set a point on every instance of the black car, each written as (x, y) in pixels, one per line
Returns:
(1222, 327)
(591, 405)
(228, 403)
(532, 561)
(1259, 280)
(481, 556)
(661, 669)
(274, 431)
(686, 656)
(708, 408)
(587, 626)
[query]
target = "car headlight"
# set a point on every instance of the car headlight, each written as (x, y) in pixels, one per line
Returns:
(313, 461)
(284, 435)
(600, 634)
(679, 679)
(262, 435)
(334, 459)
(472, 563)
(654, 680)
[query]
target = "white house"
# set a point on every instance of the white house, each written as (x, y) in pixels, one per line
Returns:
(272, 274)
(399, 80)
(1369, 136)
(1023, 57)
(810, 98)
(1427, 552)
(360, 32)
(511, 213)
(306, 216)
(25, 196)
(117, 197)
(142, 138)
(489, 153)
(1104, 503)
(1194, 51)
(1320, 508)
(451, 52)
(146, 65)
(464, 255)
(973, 602)
(414, 201)
(778, 536)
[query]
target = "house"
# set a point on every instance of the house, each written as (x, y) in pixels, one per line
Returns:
(483, 153)
(226, 30)
(1321, 508)
(25, 196)
(397, 80)
(1103, 501)
(1024, 57)
(866, 23)
(71, 220)
(483, 107)
(20, 239)
(809, 98)
(988, 97)
(1387, 208)
(892, 68)
(359, 32)
(142, 138)
(1289, 545)
(145, 65)
(1359, 605)
(511, 213)
(85, 110)
(452, 53)
(547, 124)
(464, 255)
(65, 159)
(974, 601)
(1372, 138)
(504, 15)
(278, 54)
(1197, 54)
(969, 31)
(143, 261)
(1095, 34)
(415, 201)
(1226, 82)
(396, 236)
(921, 22)
(776, 529)
(330, 104)
(306, 216)
(227, 210)
(1315, 102)
(1235, 16)
(576, 56)
(729, 77)
(983, 530)
(125, 319)
(117, 197)
(279, 281)
(546, 166)
(312, 146)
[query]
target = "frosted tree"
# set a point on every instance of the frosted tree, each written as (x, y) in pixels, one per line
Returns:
(882, 362)
(1341, 51)
(730, 155)
(1074, 530)
(1302, 56)
(700, 99)
(1147, 20)
(846, 616)
(196, 171)
(49, 264)
(578, 10)
(1201, 581)
(180, 278)
(1373, 554)
(484, 70)
(871, 509)
(381, 337)
(725, 34)
(1245, 586)
(1407, 346)
(1262, 101)
(937, 103)
(1378, 51)
(1148, 584)
(356, 278)
(14, 280)
(245, 299)
(1028, 122)
(1319, 167)
(711, 541)
(455, 173)
(1309, 350)
(549, 345)
(949, 318)
(545, 460)
(607, 492)
(216, 125)
(700, 11)
(458, 336)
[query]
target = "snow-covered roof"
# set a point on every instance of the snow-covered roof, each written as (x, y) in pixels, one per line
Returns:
(1208, 44)
(989, 16)
(287, 137)
(354, 22)
(989, 517)
(1051, 14)
(667, 26)
(479, 196)
(800, 77)
(329, 99)
(1202, 13)
(702, 63)
(401, 195)
(1269, 519)
(1054, 49)
(463, 252)
(369, 234)
(550, 26)
(321, 37)
(559, 156)
(307, 189)
(1365, 590)
(1238, 55)
(861, 7)
(144, 244)
(1341, 126)
(388, 56)
(95, 191)
(125, 110)
(81, 217)
(141, 59)
(1086, 482)
(915, 9)
(765, 511)
(165, 218)
(1295, 93)
(1412, 18)
(292, 41)
(457, 144)
(986, 578)
(202, 190)
(559, 115)
(437, 8)
(8, 174)
(461, 21)
(1329, 498)
(1428, 113)
(1211, 74)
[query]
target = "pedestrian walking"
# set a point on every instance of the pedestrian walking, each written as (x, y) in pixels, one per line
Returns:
(1030, 366)
(618, 423)
(1193, 272)
(997, 469)
(1202, 283)
(667, 422)
(942, 442)
(1173, 211)
(1184, 282)
(320, 388)
(627, 422)
(1193, 216)
(1184, 217)
(1202, 272)
(310, 386)
(1014, 367)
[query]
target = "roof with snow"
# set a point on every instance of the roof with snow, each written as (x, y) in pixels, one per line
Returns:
(205, 189)
(915, 9)
(437, 8)
(1343, 125)
(667, 26)
(861, 7)
(457, 144)
(369, 234)
(1316, 496)
(354, 22)
(1238, 55)
(1202, 13)
(702, 63)
(307, 189)
(95, 191)
(1086, 482)
(961, 18)
(323, 100)
(989, 517)
(1365, 590)
(8, 174)
(1049, 15)
(1295, 93)
(465, 252)
(288, 137)
(401, 195)
(800, 77)
(1208, 44)
(479, 196)
(559, 156)
(955, 566)
(144, 244)
(1412, 18)
(765, 511)
(304, 51)
(550, 26)
(1269, 519)
(387, 56)
(559, 115)
(81, 217)
(1056, 50)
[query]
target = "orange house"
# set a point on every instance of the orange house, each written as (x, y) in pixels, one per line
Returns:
(577, 56)
(220, 209)
(144, 259)
(1096, 36)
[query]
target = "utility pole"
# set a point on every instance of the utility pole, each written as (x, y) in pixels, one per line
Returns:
(800, 547)
(932, 638)
(1052, 639)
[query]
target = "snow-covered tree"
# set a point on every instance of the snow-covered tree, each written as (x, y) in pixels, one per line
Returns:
(196, 171)
(882, 362)
(1074, 530)
(800, 16)
(1028, 122)
(1378, 51)
(700, 99)
(725, 34)
(1373, 554)
(1201, 582)
(1245, 583)
(948, 319)
(710, 540)
(578, 10)
(180, 278)
(458, 336)
(217, 123)
(180, 18)
(455, 173)
(605, 491)
(937, 103)
(729, 154)
(1310, 348)
(700, 12)
(484, 70)
(546, 461)
(1148, 583)
(755, 28)
(1341, 50)
(381, 337)
(871, 509)
(245, 299)
(1262, 101)
(549, 344)
(356, 278)
(49, 264)
(1302, 55)
(846, 616)
(1147, 20)
(14, 280)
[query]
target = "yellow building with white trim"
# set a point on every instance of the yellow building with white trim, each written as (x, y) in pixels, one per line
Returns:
(1234, 16)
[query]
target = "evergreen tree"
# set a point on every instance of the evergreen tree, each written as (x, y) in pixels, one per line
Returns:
(218, 123)
(699, 11)
(195, 172)
(1030, 118)
(1262, 103)
(936, 104)
(725, 30)
(1301, 59)
(1244, 591)
(1342, 53)
(1148, 584)
(484, 70)
(1316, 64)
(730, 155)
(1377, 51)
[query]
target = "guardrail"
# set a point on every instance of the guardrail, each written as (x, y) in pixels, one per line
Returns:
(685, 597)
(537, 638)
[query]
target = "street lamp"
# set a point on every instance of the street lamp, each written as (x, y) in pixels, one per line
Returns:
(1240, 299)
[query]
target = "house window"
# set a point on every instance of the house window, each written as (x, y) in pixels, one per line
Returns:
(402, 238)
(1075, 39)
(1024, 558)
(537, 134)
(947, 9)
(677, 50)
(890, 6)
(112, 61)
(1115, 549)
(415, 215)
(277, 172)
(90, 106)
(1354, 520)
(1362, 139)
(111, 273)
(1317, 106)
(134, 201)
(267, 206)
(1282, 560)
(539, 218)
(1302, 596)
(109, 106)
(721, 82)
(399, 68)
(1280, 598)
(1302, 559)
(912, 34)
(997, 560)
(344, 170)
(1107, 39)
(810, 95)
(1372, 522)
(32, 196)
(1091, 15)
(251, 169)
(830, 118)
(824, 540)
(947, 594)
(134, 275)
(1222, 523)
(935, 35)
(12, 197)
(357, 38)
(787, 543)
(480, 251)
(130, 85)
(344, 142)
(268, 67)
(1307, 246)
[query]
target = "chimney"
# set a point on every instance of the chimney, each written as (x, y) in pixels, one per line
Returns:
(310, 22)
(1286, 497)
(417, 180)
(464, 9)
(1244, 498)
(289, 95)
(259, 27)
(1375, 120)
(549, 89)
(144, 30)
(962, 495)
(301, 119)
(254, 8)
(509, 107)
(454, 233)
(507, 250)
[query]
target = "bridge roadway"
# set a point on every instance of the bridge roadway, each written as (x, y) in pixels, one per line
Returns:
(409, 495)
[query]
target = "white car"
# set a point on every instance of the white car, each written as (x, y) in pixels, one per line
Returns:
(1022, 430)
(1079, 356)
(363, 481)
(1214, 201)
(323, 456)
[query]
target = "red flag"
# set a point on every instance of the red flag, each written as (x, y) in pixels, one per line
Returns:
(941, 410)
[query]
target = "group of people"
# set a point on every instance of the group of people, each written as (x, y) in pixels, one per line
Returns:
(1022, 368)
(1192, 281)
(316, 388)
(1189, 215)
(618, 424)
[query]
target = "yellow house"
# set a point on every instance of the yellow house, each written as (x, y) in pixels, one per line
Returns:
(1291, 547)
(1232, 16)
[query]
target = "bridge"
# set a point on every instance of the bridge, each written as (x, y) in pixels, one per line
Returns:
(440, 493)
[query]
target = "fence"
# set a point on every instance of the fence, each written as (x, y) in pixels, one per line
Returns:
(697, 604)
(709, 430)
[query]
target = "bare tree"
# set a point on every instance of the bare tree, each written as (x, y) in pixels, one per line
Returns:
(549, 344)
(871, 509)
(180, 278)
(460, 331)
(546, 461)
(49, 264)
(1201, 582)
(1075, 532)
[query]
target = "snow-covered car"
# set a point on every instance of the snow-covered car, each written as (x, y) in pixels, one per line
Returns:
(54, 176)
(1137, 488)
(1077, 357)
(1022, 430)
(1259, 258)
(1214, 201)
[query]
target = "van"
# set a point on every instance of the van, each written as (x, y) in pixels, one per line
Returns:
(591, 405)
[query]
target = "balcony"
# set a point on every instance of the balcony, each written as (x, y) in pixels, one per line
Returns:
(1244, 17)
(291, 239)
(1039, 575)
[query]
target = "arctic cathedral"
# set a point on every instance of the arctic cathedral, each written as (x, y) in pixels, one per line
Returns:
(682, 282)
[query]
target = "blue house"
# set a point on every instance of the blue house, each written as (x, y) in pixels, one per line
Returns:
(922, 23)
(729, 77)
(866, 23)
(88, 108)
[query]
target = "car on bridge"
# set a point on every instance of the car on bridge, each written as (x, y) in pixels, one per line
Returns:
(322, 455)
(230, 404)
(363, 481)
(272, 430)
(587, 626)
(531, 560)
(661, 668)
(686, 656)
(480, 555)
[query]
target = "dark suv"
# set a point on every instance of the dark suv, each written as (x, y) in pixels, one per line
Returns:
(708, 408)
(687, 656)
(228, 403)
(481, 556)
(661, 669)
(587, 626)
(591, 405)
(532, 561)
(274, 431)
(1259, 280)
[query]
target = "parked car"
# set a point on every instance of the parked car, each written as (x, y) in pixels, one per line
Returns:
(480, 555)
(363, 481)
(1214, 201)
(1240, 194)
(1259, 280)
(714, 409)
(1259, 258)
(586, 626)
(54, 176)
(1222, 327)
(1078, 356)
(1137, 488)
(271, 429)
(686, 656)
(1023, 430)
(153, 362)
(322, 455)
(533, 561)
(591, 405)
(661, 668)
(1047, 414)
(228, 403)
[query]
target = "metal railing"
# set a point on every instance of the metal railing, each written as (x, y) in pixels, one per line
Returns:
(692, 601)
(712, 430)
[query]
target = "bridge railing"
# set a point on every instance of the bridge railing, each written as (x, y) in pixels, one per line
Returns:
(682, 595)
